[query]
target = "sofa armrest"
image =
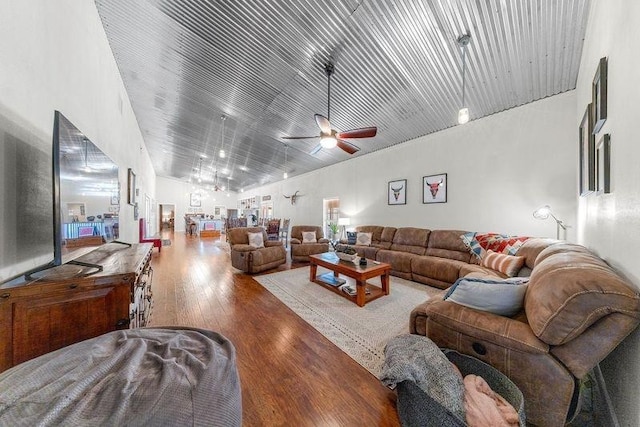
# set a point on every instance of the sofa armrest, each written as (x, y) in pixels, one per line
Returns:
(242, 248)
(323, 240)
(482, 325)
(294, 241)
(272, 243)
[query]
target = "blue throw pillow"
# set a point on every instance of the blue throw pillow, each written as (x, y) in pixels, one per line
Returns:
(351, 237)
(503, 297)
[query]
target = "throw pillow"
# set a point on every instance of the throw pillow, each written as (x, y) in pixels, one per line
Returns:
(256, 240)
(507, 264)
(351, 237)
(480, 243)
(363, 239)
(309, 237)
(503, 297)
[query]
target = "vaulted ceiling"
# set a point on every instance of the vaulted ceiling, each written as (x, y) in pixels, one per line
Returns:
(260, 65)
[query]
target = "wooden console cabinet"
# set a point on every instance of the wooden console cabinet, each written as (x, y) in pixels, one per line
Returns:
(73, 302)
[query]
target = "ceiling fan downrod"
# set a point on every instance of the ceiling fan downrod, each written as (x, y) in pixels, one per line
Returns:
(328, 70)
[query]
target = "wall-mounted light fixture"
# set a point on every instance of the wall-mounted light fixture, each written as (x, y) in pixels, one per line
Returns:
(463, 113)
(544, 212)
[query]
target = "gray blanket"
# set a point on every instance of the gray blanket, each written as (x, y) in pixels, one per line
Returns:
(132, 377)
(419, 360)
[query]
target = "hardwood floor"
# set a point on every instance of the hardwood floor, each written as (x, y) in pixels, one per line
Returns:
(290, 373)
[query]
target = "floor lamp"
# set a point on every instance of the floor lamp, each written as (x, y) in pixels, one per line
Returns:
(544, 212)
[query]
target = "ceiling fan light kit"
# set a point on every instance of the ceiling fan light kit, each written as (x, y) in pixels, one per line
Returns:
(463, 113)
(330, 138)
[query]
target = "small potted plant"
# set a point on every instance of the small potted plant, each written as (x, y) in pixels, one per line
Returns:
(334, 230)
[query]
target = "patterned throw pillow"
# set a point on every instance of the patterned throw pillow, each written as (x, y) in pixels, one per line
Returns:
(256, 240)
(507, 264)
(480, 243)
(363, 239)
(503, 297)
(309, 237)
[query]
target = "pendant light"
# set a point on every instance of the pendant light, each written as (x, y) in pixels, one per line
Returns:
(221, 153)
(463, 113)
(285, 175)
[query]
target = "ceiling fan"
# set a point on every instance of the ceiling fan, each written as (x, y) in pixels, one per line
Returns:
(329, 137)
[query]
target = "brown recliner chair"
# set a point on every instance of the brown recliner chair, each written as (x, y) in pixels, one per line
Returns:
(576, 311)
(301, 251)
(251, 259)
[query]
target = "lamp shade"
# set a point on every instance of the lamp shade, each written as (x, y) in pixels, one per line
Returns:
(542, 212)
(344, 221)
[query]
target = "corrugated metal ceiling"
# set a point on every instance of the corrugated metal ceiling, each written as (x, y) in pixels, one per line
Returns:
(185, 64)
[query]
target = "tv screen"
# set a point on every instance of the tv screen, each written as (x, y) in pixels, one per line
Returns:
(27, 240)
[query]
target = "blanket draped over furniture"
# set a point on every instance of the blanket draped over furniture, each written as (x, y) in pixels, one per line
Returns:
(574, 311)
(145, 376)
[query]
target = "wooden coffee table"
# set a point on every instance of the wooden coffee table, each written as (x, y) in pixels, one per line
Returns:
(361, 274)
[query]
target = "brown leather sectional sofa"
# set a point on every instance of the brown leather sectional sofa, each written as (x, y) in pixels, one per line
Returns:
(576, 311)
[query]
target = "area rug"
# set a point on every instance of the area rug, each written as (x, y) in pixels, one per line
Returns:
(361, 332)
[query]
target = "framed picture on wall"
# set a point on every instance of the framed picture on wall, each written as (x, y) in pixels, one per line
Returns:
(599, 96)
(195, 200)
(397, 192)
(131, 187)
(434, 188)
(603, 163)
(587, 153)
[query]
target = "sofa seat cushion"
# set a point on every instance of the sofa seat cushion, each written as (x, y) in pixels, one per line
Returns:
(571, 291)
(508, 332)
(440, 269)
(410, 239)
(369, 252)
(400, 262)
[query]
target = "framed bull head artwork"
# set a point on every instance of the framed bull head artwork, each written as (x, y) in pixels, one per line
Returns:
(434, 188)
(397, 192)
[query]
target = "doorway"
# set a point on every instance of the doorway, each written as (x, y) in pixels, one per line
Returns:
(331, 213)
(167, 215)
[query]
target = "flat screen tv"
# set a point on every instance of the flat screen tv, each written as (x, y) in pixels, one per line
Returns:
(55, 194)
(27, 200)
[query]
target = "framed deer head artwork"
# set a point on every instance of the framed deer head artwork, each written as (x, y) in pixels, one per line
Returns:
(397, 192)
(434, 188)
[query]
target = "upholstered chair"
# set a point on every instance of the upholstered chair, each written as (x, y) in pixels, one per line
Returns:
(248, 256)
(300, 249)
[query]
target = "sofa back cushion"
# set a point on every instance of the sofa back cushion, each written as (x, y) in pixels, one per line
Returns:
(410, 239)
(571, 290)
(240, 235)
(375, 230)
(532, 248)
(448, 244)
(296, 231)
(386, 238)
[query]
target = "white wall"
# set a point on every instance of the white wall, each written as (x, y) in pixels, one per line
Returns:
(55, 56)
(609, 224)
(499, 170)
(176, 192)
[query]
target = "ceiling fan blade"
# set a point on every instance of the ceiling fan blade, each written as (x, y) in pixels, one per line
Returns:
(315, 149)
(347, 146)
(299, 137)
(323, 123)
(369, 132)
